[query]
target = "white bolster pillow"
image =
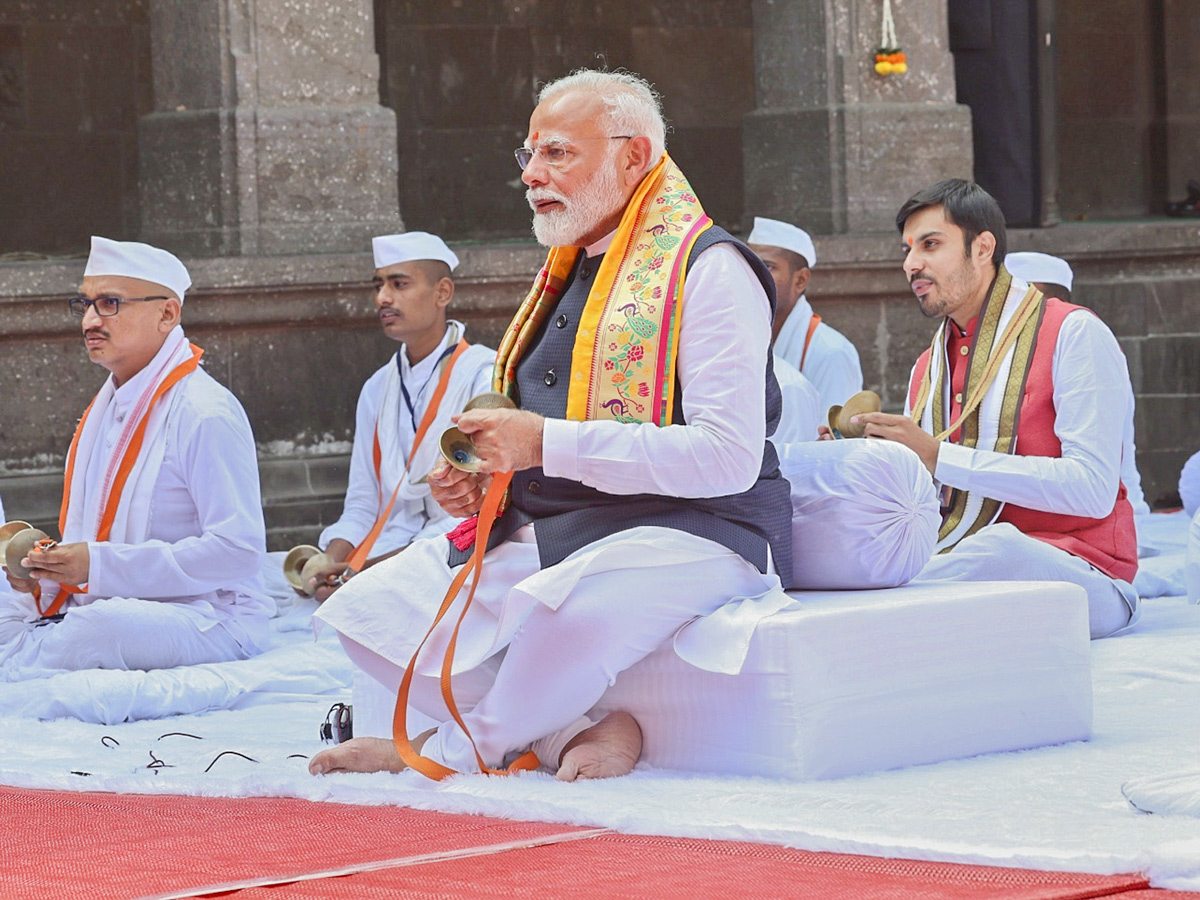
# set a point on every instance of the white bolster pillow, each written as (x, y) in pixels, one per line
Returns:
(864, 513)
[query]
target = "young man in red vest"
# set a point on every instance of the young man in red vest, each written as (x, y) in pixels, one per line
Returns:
(1017, 410)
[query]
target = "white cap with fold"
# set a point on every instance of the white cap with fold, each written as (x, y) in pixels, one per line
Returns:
(129, 259)
(773, 233)
(391, 249)
(1040, 267)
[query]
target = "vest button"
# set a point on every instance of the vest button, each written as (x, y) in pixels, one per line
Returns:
(561, 321)
(535, 487)
(550, 378)
(958, 398)
(965, 350)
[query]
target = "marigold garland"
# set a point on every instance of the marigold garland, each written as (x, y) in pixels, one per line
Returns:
(889, 58)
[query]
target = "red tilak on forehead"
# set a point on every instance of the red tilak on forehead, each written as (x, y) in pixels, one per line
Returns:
(535, 135)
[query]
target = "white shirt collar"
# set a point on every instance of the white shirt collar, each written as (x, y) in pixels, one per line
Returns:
(422, 370)
(127, 394)
(601, 246)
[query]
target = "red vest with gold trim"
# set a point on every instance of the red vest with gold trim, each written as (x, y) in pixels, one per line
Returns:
(1109, 544)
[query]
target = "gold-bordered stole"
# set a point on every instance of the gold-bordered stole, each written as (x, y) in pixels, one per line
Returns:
(989, 336)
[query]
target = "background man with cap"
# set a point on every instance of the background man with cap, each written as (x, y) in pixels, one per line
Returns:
(162, 525)
(413, 288)
(822, 355)
(1053, 276)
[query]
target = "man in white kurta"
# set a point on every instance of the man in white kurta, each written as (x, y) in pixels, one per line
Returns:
(544, 639)
(822, 354)
(413, 288)
(1053, 276)
(162, 570)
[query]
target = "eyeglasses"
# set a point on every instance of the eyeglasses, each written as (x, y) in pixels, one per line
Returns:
(105, 306)
(555, 153)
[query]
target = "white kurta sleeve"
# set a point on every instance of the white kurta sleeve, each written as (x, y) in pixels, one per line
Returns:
(361, 506)
(724, 336)
(1090, 401)
(216, 456)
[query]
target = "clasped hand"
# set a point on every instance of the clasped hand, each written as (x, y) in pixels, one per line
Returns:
(507, 440)
(64, 563)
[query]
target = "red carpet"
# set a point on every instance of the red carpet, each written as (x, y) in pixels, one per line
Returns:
(93, 846)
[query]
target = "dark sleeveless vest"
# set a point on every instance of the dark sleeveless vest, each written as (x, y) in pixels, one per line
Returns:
(571, 515)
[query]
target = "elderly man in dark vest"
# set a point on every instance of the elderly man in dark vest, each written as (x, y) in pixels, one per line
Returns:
(644, 492)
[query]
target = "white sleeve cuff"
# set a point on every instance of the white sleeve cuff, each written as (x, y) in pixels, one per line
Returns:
(954, 465)
(560, 449)
(96, 571)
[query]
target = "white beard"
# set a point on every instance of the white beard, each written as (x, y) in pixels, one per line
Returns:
(595, 201)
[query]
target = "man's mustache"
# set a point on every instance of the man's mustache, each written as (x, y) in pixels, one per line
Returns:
(533, 196)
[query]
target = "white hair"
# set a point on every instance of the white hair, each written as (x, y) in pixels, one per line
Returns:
(633, 106)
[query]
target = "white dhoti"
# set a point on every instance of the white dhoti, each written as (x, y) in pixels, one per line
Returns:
(538, 647)
(1000, 552)
(116, 633)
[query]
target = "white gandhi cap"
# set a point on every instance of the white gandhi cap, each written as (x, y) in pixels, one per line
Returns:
(391, 249)
(1040, 267)
(130, 259)
(772, 233)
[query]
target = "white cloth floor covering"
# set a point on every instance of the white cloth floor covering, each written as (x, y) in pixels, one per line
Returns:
(1058, 808)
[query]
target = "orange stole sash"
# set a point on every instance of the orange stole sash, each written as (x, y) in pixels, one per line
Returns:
(358, 556)
(185, 368)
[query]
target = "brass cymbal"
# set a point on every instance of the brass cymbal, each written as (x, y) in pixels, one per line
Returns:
(17, 542)
(839, 416)
(456, 447)
(490, 400)
(293, 564)
(458, 450)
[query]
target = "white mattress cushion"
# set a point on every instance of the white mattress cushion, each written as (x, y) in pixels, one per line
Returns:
(850, 682)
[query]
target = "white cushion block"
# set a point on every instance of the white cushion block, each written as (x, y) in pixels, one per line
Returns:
(850, 682)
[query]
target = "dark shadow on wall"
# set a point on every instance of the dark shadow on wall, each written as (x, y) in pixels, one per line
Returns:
(462, 78)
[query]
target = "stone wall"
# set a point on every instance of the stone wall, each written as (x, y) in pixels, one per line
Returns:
(74, 77)
(1112, 161)
(295, 337)
(462, 79)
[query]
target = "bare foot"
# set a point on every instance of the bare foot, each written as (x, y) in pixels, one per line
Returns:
(609, 748)
(364, 754)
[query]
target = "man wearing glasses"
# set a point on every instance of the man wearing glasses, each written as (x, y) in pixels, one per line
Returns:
(161, 522)
(645, 493)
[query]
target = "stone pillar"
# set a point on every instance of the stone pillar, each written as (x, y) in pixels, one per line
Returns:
(1181, 74)
(267, 136)
(832, 146)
